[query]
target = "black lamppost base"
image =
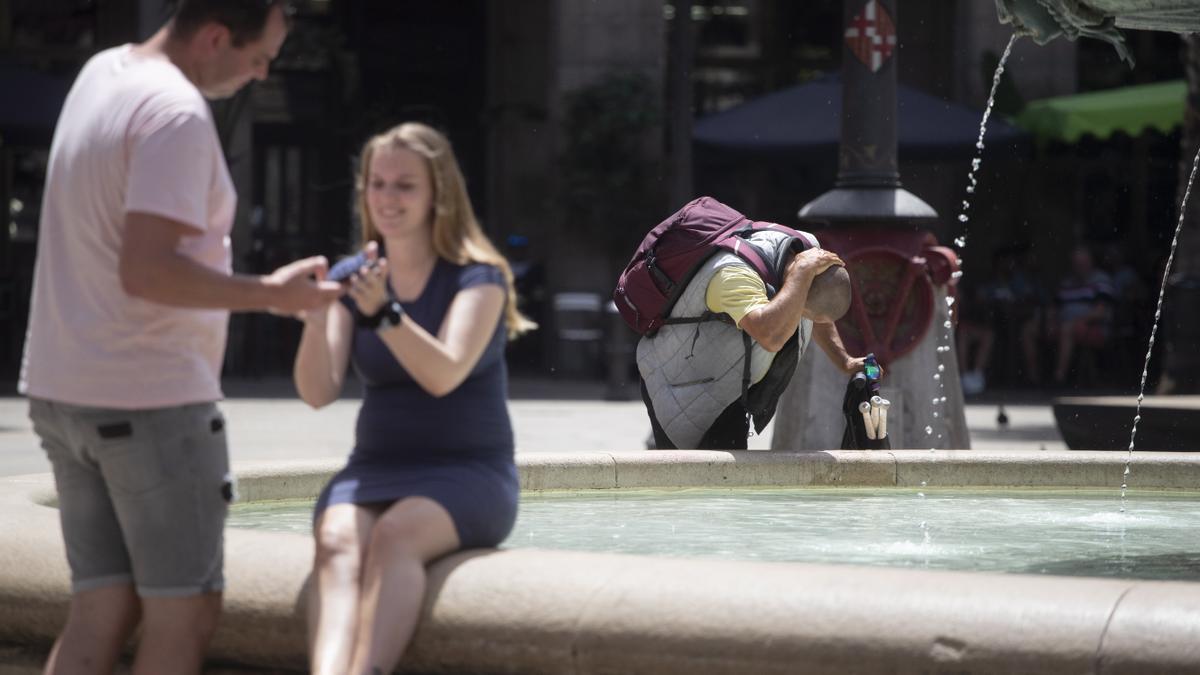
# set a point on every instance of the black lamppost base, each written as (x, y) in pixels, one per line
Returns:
(865, 204)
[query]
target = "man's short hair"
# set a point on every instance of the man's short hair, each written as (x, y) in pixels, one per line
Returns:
(245, 19)
(829, 296)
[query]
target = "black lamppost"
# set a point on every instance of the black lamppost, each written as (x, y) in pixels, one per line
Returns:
(900, 273)
(868, 181)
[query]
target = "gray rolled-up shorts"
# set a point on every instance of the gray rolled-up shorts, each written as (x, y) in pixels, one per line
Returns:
(142, 494)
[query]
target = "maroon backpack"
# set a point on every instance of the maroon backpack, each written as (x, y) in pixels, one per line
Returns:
(672, 252)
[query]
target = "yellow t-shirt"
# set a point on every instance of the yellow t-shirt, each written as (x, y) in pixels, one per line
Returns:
(735, 290)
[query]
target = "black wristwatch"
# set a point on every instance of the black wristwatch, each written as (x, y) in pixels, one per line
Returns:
(388, 316)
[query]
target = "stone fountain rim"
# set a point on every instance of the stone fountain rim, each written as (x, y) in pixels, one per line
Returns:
(595, 470)
(536, 611)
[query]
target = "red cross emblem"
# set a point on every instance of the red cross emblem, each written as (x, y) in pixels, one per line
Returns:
(871, 35)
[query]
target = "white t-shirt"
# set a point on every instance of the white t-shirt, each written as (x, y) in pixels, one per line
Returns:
(134, 135)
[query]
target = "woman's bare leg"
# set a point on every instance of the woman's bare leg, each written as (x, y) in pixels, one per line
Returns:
(342, 534)
(405, 538)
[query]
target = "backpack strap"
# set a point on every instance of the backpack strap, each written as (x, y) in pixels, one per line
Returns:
(706, 316)
(660, 277)
(743, 249)
(748, 349)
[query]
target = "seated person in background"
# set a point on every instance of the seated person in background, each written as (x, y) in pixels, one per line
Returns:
(974, 334)
(1005, 312)
(1019, 310)
(692, 374)
(1131, 295)
(1084, 301)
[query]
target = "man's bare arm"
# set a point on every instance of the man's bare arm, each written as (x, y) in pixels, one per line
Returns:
(826, 335)
(151, 268)
(772, 324)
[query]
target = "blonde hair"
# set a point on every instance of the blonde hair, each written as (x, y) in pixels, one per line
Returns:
(457, 236)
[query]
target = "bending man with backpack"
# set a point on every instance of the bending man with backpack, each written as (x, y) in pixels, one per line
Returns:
(726, 307)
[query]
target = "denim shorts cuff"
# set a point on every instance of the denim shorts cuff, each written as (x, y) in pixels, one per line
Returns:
(179, 591)
(81, 585)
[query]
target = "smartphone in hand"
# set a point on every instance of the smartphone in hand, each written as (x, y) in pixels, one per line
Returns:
(348, 267)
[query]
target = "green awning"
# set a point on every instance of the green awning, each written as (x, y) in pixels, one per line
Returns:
(1132, 110)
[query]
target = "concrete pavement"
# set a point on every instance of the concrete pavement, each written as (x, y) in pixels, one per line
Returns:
(266, 421)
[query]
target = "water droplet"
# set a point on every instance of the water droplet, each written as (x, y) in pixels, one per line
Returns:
(970, 189)
(949, 302)
(935, 400)
(928, 430)
(937, 377)
(947, 324)
(923, 483)
(943, 399)
(962, 218)
(935, 416)
(941, 367)
(966, 205)
(957, 274)
(922, 496)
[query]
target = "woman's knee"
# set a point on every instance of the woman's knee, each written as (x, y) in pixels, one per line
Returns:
(338, 545)
(415, 527)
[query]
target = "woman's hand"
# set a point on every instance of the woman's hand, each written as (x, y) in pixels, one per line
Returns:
(368, 287)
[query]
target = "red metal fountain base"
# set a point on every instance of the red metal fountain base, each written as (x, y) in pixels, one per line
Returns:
(893, 275)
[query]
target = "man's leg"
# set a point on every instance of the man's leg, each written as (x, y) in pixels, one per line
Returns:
(104, 609)
(661, 440)
(99, 622)
(729, 431)
(175, 634)
(166, 470)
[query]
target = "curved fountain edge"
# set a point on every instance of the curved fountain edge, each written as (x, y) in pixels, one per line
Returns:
(534, 611)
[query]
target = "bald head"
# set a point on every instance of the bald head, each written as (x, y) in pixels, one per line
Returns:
(829, 296)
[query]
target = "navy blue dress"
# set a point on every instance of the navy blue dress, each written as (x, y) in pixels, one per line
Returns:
(456, 450)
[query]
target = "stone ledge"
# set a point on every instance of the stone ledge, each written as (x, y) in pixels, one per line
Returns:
(879, 468)
(1168, 423)
(530, 611)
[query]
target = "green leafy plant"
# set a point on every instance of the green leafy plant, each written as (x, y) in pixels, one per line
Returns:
(610, 180)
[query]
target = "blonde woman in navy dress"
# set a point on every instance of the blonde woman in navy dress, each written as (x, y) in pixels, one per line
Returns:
(432, 467)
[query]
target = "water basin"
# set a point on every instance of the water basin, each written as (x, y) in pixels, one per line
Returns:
(1031, 531)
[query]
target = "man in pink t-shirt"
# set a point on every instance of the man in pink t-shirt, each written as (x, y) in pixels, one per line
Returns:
(131, 299)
